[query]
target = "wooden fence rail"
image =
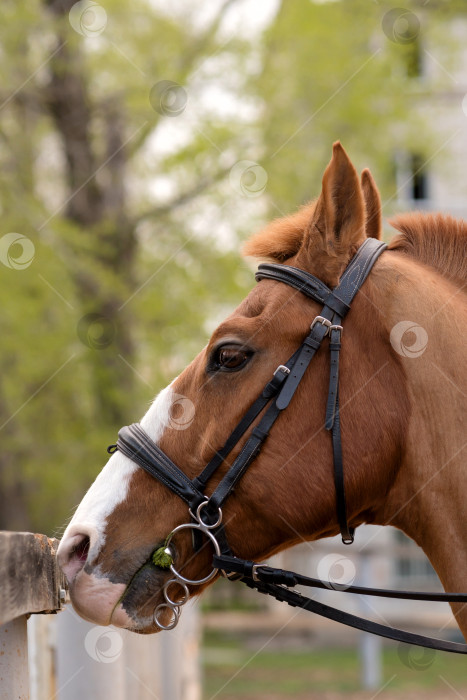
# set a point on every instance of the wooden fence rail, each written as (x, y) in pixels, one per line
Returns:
(31, 579)
(31, 582)
(70, 659)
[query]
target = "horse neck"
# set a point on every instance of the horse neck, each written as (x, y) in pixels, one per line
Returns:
(427, 500)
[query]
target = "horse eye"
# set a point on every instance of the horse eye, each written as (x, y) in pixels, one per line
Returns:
(231, 358)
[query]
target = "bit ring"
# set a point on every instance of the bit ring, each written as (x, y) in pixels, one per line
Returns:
(176, 603)
(209, 535)
(175, 612)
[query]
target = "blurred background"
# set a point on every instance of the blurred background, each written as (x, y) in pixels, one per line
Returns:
(140, 143)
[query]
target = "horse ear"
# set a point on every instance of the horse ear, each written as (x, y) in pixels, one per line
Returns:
(374, 217)
(337, 227)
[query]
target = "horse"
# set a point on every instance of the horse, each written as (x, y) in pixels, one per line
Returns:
(401, 393)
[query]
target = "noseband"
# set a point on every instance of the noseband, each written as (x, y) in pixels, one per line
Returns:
(206, 511)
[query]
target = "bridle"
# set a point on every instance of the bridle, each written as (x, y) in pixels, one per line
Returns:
(206, 512)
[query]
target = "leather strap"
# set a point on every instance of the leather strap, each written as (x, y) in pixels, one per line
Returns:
(298, 601)
(337, 304)
(283, 577)
(334, 348)
(136, 444)
(347, 532)
(310, 345)
(358, 269)
(269, 391)
(338, 299)
(272, 581)
(247, 455)
(303, 282)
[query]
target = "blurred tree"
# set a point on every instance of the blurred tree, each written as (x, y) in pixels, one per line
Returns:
(347, 71)
(119, 123)
(106, 143)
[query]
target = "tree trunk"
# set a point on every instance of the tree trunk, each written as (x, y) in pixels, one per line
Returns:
(96, 202)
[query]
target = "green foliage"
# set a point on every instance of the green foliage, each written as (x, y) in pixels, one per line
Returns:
(129, 206)
(331, 73)
(162, 558)
(134, 258)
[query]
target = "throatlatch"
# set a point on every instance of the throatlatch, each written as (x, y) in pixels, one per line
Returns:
(206, 512)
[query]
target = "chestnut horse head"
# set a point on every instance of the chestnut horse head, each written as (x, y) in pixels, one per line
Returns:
(400, 400)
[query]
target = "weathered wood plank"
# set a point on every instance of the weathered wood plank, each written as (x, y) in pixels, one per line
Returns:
(14, 679)
(42, 653)
(30, 580)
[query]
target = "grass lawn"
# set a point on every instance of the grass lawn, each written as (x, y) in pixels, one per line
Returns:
(236, 668)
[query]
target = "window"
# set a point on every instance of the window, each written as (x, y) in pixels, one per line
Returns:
(419, 184)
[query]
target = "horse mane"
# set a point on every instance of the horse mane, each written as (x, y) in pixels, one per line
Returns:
(281, 238)
(437, 240)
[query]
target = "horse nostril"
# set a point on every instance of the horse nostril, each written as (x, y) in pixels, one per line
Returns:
(80, 551)
(72, 554)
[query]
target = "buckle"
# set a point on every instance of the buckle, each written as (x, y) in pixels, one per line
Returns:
(324, 321)
(254, 574)
(278, 379)
(335, 328)
(282, 368)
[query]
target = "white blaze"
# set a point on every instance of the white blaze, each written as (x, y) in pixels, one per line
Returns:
(111, 486)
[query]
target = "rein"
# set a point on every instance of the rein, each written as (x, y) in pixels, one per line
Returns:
(206, 512)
